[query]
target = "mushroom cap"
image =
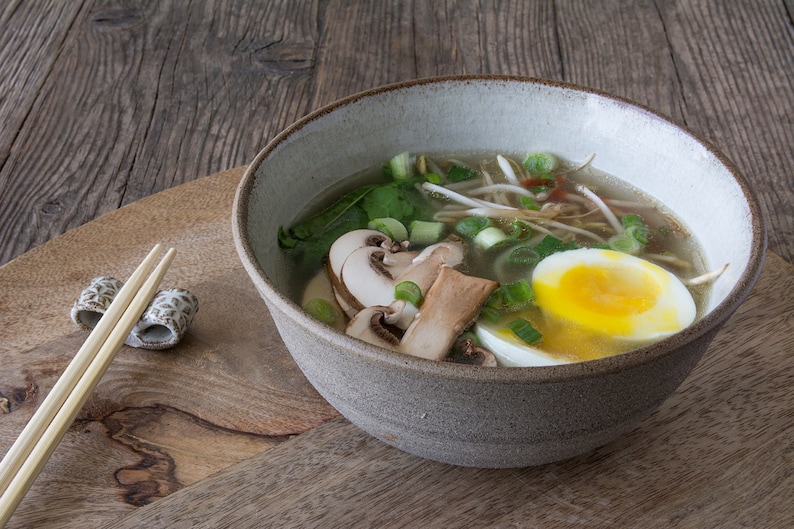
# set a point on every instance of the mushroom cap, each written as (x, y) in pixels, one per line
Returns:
(368, 281)
(471, 354)
(371, 324)
(346, 244)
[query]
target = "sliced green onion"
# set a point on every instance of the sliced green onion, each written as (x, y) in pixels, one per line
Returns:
(523, 255)
(489, 237)
(529, 203)
(491, 314)
(540, 162)
(524, 331)
(400, 166)
(471, 226)
(520, 230)
(641, 234)
(631, 219)
(408, 291)
(458, 173)
(495, 300)
(433, 178)
(625, 244)
(550, 244)
(634, 226)
(426, 232)
(285, 240)
(391, 227)
(323, 310)
(516, 296)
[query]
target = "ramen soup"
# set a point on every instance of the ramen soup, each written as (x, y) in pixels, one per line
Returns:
(496, 259)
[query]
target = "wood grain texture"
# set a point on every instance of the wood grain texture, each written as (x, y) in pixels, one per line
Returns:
(718, 453)
(225, 432)
(142, 97)
(108, 107)
(105, 102)
(157, 421)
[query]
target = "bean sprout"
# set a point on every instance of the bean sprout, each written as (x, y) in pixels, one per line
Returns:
(611, 218)
(457, 197)
(507, 169)
(707, 277)
(510, 188)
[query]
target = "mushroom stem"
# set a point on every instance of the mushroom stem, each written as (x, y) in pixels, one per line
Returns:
(450, 306)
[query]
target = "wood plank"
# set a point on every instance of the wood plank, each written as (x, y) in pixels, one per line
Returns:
(27, 55)
(718, 453)
(144, 97)
(735, 63)
(621, 48)
(143, 107)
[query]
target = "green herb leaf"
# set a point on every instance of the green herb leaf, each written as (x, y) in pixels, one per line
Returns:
(326, 218)
(551, 244)
(471, 226)
(459, 173)
(387, 201)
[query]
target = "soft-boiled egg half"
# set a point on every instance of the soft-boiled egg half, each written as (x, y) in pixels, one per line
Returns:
(591, 303)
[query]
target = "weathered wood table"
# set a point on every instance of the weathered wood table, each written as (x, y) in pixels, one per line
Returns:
(104, 104)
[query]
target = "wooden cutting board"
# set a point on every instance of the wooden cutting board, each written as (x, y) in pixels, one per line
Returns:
(224, 430)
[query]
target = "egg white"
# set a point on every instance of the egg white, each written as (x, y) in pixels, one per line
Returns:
(510, 351)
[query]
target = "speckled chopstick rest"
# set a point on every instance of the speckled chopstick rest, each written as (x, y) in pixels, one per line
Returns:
(161, 326)
(165, 320)
(94, 301)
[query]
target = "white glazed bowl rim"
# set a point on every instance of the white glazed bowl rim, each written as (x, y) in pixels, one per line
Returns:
(714, 319)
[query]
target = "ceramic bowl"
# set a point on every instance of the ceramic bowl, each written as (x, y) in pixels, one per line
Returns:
(503, 416)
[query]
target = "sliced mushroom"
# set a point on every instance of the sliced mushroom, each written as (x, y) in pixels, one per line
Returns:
(375, 325)
(451, 305)
(352, 241)
(474, 355)
(391, 257)
(366, 280)
(426, 266)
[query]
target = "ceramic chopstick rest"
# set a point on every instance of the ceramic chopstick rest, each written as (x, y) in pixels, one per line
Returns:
(162, 325)
(94, 301)
(165, 320)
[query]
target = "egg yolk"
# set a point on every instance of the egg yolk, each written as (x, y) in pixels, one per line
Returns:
(609, 298)
(610, 291)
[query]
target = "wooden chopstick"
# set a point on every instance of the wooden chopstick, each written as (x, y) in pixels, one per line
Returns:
(33, 447)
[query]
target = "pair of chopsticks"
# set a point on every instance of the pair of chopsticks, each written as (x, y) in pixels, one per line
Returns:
(46, 428)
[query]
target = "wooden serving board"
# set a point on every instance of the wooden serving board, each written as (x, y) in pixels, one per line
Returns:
(224, 430)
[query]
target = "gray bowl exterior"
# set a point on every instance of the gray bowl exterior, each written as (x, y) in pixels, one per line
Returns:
(483, 421)
(495, 417)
